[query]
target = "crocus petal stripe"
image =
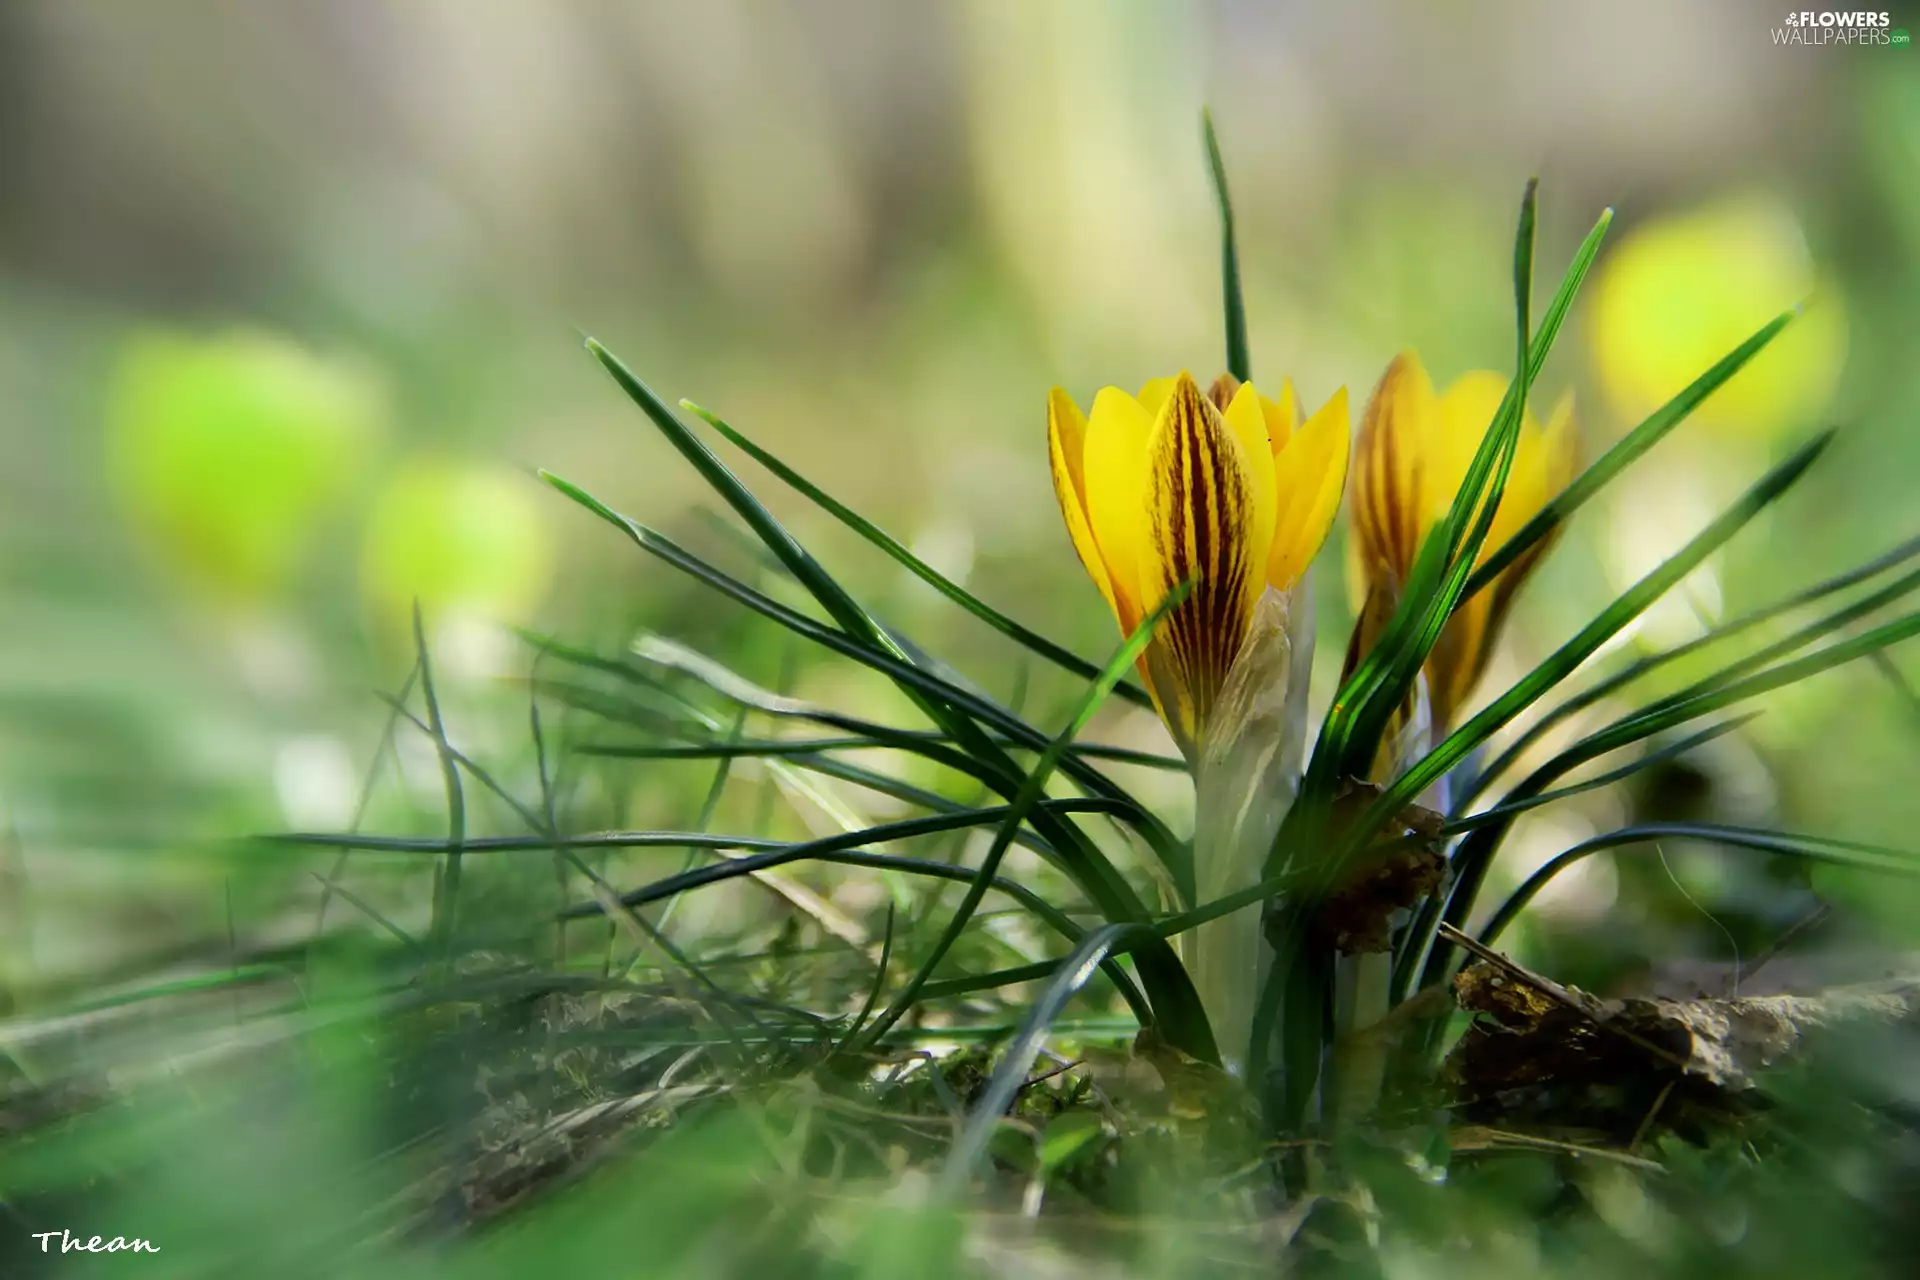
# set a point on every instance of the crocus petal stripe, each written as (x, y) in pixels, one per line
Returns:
(1415, 447)
(1203, 512)
(1224, 489)
(1387, 512)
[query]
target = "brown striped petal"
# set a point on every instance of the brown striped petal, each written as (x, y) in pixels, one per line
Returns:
(1202, 509)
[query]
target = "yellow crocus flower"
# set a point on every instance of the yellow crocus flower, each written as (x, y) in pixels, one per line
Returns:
(1414, 448)
(1229, 491)
(1226, 489)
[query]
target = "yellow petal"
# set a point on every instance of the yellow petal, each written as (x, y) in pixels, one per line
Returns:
(1387, 516)
(1153, 396)
(1460, 656)
(1203, 509)
(1563, 444)
(1408, 731)
(1066, 445)
(1283, 415)
(1249, 426)
(1529, 486)
(1466, 411)
(1543, 463)
(1116, 487)
(1309, 476)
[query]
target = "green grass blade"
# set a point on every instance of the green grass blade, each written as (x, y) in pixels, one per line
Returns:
(1181, 1020)
(1150, 829)
(779, 851)
(1166, 927)
(1017, 1060)
(931, 801)
(873, 993)
(446, 901)
(1811, 848)
(865, 633)
(920, 685)
(1728, 675)
(840, 606)
(1475, 853)
(368, 782)
(1714, 695)
(929, 692)
(846, 848)
(1562, 663)
(880, 538)
(474, 770)
(1725, 631)
(1232, 300)
(1672, 751)
(1380, 685)
(750, 747)
(1623, 454)
(1426, 578)
(1562, 301)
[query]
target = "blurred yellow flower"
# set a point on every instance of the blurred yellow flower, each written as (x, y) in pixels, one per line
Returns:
(467, 541)
(1413, 451)
(224, 451)
(1228, 490)
(1683, 290)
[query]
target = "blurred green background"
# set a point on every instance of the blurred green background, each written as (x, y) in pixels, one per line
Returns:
(292, 298)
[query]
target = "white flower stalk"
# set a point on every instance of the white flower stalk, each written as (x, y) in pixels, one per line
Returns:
(1244, 784)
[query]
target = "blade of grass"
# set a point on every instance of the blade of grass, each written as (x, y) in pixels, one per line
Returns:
(1415, 948)
(709, 805)
(1470, 518)
(873, 993)
(730, 685)
(853, 621)
(446, 901)
(1296, 995)
(1726, 631)
(1713, 695)
(1232, 300)
(1475, 853)
(1501, 812)
(752, 747)
(1862, 857)
(1379, 686)
(1182, 1021)
(1089, 862)
(878, 834)
(1010, 1076)
(1337, 734)
(1562, 663)
(920, 569)
(371, 912)
(367, 784)
(1733, 672)
(840, 606)
(1623, 454)
(549, 810)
